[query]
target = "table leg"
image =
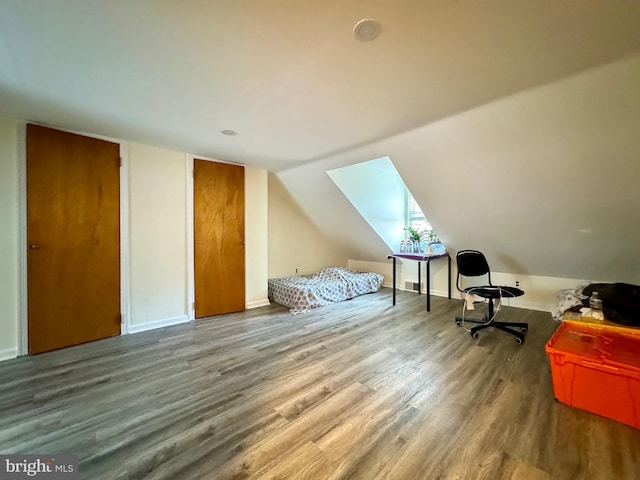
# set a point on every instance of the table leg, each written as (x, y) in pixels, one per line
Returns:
(428, 286)
(394, 280)
(449, 259)
(419, 280)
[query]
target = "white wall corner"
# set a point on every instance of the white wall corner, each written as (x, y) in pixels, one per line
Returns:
(8, 354)
(258, 303)
(190, 225)
(23, 321)
(125, 240)
(541, 307)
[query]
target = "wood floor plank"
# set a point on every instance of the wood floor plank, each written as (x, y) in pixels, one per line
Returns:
(357, 390)
(306, 461)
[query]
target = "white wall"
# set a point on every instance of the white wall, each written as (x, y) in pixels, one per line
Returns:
(256, 204)
(294, 241)
(158, 236)
(9, 277)
(161, 210)
(543, 182)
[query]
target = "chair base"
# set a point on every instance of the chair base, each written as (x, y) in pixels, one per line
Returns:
(504, 326)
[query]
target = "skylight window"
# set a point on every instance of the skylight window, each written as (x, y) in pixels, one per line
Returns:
(379, 194)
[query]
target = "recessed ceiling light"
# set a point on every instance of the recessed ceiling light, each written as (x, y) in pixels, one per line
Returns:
(366, 30)
(229, 132)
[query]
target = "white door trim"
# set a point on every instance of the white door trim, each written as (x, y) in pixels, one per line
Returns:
(191, 289)
(23, 313)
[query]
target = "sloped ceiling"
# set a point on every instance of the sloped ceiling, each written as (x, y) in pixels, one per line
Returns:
(545, 182)
(513, 122)
(288, 75)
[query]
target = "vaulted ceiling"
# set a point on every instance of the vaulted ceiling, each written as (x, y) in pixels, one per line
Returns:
(288, 76)
(544, 182)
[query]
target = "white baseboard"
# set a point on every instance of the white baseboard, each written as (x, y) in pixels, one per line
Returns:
(442, 293)
(8, 354)
(532, 306)
(512, 303)
(166, 322)
(258, 303)
(434, 293)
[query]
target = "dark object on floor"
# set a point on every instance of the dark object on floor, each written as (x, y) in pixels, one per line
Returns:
(472, 263)
(620, 301)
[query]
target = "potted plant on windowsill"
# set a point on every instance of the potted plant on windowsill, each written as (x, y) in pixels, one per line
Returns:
(426, 241)
(415, 240)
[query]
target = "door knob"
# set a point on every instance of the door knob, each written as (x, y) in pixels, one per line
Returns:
(34, 246)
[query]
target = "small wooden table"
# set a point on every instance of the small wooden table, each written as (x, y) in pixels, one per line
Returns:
(420, 257)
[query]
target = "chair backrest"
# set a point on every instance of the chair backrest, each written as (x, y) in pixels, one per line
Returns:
(472, 263)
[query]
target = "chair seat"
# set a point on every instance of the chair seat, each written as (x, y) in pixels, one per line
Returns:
(495, 292)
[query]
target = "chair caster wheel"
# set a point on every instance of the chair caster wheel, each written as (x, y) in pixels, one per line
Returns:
(458, 323)
(519, 340)
(474, 335)
(524, 330)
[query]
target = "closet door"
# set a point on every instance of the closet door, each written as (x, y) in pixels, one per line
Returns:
(219, 268)
(73, 232)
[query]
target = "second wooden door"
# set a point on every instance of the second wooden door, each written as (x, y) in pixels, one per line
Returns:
(219, 238)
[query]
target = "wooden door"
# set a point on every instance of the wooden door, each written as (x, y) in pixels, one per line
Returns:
(73, 234)
(219, 238)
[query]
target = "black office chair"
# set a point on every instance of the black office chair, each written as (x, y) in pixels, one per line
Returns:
(472, 263)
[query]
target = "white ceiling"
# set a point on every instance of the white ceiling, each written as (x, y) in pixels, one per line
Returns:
(288, 75)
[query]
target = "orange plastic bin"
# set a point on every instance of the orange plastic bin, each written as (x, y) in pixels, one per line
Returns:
(597, 370)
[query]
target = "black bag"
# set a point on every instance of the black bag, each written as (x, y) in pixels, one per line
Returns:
(620, 301)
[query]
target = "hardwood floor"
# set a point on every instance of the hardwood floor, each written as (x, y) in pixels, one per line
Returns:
(358, 390)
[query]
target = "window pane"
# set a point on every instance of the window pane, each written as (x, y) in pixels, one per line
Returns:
(415, 217)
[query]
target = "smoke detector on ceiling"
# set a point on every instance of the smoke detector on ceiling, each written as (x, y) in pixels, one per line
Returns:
(366, 30)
